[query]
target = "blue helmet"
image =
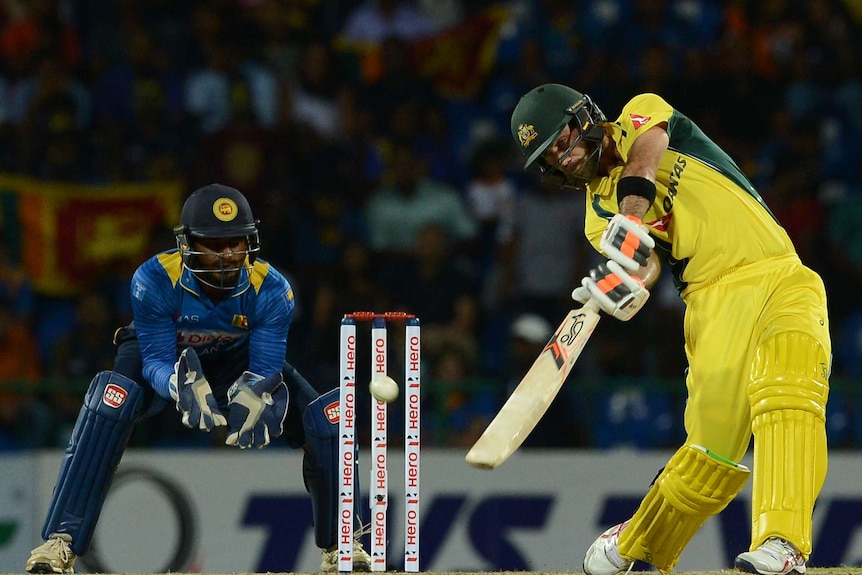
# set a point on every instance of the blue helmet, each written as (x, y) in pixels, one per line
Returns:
(212, 212)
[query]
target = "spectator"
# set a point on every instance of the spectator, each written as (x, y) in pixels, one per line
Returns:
(375, 20)
(241, 151)
(461, 408)
(48, 95)
(491, 197)
(395, 85)
(36, 26)
(351, 284)
(545, 252)
(438, 285)
(52, 110)
(446, 13)
(142, 130)
(318, 95)
(425, 125)
(398, 210)
(24, 419)
(792, 175)
(229, 82)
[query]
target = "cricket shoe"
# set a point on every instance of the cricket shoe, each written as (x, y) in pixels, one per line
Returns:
(603, 557)
(53, 556)
(775, 556)
(361, 559)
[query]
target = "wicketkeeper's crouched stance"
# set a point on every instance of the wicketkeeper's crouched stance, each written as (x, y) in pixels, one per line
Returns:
(756, 326)
(214, 290)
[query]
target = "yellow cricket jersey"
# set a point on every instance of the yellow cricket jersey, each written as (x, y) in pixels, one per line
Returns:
(707, 218)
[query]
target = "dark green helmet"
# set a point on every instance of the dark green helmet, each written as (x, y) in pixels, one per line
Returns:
(540, 116)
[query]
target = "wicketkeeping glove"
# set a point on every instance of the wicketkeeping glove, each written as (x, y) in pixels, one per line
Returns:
(627, 242)
(193, 394)
(258, 406)
(615, 291)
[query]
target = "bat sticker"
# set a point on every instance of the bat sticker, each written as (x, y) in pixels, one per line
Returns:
(559, 353)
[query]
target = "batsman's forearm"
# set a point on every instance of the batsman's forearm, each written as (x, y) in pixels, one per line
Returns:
(646, 153)
(634, 206)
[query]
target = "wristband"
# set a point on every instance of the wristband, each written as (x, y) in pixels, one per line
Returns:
(635, 186)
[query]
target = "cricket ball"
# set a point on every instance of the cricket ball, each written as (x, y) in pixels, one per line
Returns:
(384, 388)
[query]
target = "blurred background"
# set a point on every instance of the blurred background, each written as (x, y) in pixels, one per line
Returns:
(372, 140)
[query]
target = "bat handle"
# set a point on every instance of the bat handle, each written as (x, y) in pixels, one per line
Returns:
(592, 305)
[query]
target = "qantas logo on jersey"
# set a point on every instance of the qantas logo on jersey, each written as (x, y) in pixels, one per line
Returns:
(639, 121)
(673, 183)
(661, 223)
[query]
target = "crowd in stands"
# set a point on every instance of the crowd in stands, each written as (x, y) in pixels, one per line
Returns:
(376, 151)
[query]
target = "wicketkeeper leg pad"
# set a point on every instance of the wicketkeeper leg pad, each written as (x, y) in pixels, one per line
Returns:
(693, 486)
(301, 393)
(320, 465)
(788, 393)
(100, 435)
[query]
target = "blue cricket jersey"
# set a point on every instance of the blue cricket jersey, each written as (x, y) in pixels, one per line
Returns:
(245, 330)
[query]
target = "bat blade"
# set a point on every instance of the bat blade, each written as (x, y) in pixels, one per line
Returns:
(531, 398)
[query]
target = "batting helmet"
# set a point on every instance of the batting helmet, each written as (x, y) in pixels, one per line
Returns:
(541, 115)
(213, 212)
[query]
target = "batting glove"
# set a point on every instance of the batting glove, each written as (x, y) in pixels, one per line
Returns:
(627, 242)
(193, 394)
(614, 291)
(258, 406)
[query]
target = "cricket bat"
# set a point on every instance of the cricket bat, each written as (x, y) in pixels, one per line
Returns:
(534, 394)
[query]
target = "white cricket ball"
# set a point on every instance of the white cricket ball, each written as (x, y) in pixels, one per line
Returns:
(384, 388)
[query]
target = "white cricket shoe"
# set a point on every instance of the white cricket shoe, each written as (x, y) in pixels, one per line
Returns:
(361, 559)
(53, 556)
(603, 557)
(775, 556)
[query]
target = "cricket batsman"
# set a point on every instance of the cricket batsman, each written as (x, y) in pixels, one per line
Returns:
(659, 191)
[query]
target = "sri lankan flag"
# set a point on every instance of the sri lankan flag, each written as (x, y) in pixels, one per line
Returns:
(456, 61)
(68, 234)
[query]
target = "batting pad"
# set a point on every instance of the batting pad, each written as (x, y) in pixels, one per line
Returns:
(98, 440)
(788, 396)
(693, 486)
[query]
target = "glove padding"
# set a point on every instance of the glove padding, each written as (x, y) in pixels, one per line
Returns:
(615, 291)
(258, 406)
(193, 394)
(627, 242)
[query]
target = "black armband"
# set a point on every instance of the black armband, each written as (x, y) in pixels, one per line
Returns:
(635, 186)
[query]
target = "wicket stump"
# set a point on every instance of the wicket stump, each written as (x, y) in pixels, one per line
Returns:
(349, 448)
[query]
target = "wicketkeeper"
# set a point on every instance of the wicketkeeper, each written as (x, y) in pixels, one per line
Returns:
(756, 326)
(209, 338)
